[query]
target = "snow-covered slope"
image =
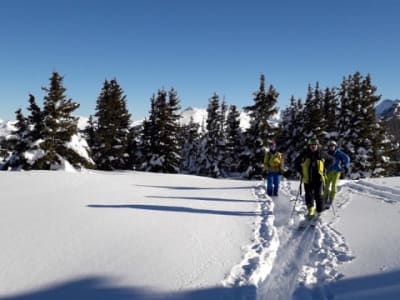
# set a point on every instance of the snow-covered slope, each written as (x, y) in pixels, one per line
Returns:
(134, 235)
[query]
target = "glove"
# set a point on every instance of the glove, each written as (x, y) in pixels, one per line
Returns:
(346, 170)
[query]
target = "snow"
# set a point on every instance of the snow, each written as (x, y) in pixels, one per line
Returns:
(138, 235)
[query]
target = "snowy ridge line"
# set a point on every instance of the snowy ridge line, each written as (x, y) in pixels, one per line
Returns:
(387, 194)
(259, 258)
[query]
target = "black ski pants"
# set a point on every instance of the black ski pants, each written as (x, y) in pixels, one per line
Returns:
(313, 192)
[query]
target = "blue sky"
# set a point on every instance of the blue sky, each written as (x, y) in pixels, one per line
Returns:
(197, 47)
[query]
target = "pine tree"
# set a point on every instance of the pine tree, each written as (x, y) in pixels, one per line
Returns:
(330, 106)
(160, 144)
(234, 137)
(21, 143)
(373, 129)
(222, 139)
(362, 136)
(345, 116)
(190, 146)
(148, 137)
(210, 161)
(89, 131)
(290, 140)
(36, 119)
(260, 131)
(59, 127)
(113, 124)
(314, 121)
(153, 128)
(133, 147)
(172, 147)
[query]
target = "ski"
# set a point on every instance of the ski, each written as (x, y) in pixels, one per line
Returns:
(308, 224)
(304, 225)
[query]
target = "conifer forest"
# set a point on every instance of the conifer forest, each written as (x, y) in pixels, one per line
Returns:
(220, 147)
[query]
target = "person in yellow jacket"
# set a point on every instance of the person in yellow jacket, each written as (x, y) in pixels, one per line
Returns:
(312, 165)
(273, 166)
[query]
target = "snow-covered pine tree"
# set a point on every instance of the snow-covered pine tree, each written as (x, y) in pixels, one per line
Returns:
(160, 146)
(150, 142)
(330, 106)
(234, 138)
(111, 133)
(392, 127)
(373, 129)
(361, 134)
(133, 147)
(290, 140)
(59, 126)
(345, 116)
(224, 169)
(3, 152)
(20, 143)
(313, 114)
(148, 137)
(210, 159)
(260, 130)
(172, 146)
(89, 132)
(190, 150)
(36, 119)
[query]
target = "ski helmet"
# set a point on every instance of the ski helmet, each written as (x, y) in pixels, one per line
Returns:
(313, 141)
(332, 143)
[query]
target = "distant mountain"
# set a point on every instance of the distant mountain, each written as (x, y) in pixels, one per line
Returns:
(199, 116)
(388, 109)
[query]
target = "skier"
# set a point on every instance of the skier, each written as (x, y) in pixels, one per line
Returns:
(311, 164)
(342, 163)
(273, 166)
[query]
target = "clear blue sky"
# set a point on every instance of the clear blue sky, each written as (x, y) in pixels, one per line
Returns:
(197, 47)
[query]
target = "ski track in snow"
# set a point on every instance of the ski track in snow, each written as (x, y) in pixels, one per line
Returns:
(285, 263)
(304, 259)
(327, 251)
(387, 194)
(260, 255)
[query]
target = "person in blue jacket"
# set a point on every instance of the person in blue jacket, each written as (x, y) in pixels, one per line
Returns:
(342, 164)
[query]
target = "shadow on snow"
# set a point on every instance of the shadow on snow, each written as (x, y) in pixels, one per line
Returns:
(376, 286)
(178, 209)
(195, 187)
(206, 199)
(101, 289)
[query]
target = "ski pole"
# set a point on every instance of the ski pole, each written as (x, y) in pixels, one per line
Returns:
(297, 197)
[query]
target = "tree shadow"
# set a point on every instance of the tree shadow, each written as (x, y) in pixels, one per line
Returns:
(195, 187)
(376, 286)
(99, 288)
(206, 199)
(178, 209)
